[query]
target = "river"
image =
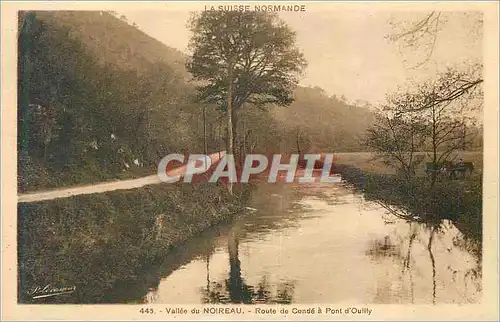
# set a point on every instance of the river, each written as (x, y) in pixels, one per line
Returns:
(320, 243)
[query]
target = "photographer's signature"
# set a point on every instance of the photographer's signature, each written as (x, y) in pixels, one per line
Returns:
(38, 292)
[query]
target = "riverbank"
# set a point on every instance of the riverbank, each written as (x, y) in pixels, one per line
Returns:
(265, 257)
(96, 242)
(459, 201)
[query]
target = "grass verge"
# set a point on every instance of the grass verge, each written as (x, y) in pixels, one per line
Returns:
(95, 242)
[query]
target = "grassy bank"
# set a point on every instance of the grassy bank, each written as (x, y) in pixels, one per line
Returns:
(457, 200)
(367, 162)
(99, 242)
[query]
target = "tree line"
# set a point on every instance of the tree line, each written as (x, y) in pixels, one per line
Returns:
(83, 119)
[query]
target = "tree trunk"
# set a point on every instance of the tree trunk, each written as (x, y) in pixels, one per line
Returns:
(434, 149)
(243, 154)
(45, 152)
(464, 144)
(234, 119)
(205, 150)
(230, 125)
(298, 137)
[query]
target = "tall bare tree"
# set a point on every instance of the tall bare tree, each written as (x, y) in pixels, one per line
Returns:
(435, 113)
(447, 105)
(397, 140)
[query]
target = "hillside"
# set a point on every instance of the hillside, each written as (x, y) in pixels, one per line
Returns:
(89, 107)
(98, 99)
(114, 41)
(325, 123)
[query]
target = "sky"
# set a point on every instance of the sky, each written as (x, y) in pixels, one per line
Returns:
(347, 51)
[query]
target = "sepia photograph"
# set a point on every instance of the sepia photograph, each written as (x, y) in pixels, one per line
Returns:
(223, 154)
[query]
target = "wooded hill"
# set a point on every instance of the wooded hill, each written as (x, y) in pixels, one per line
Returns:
(99, 99)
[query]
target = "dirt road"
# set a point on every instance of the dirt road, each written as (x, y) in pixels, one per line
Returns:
(104, 186)
(88, 189)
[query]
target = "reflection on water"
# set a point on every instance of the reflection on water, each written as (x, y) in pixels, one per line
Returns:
(235, 290)
(320, 243)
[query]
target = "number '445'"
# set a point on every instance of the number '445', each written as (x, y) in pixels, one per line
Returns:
(146, 311)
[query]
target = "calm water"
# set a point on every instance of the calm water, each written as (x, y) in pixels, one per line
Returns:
(319, 244)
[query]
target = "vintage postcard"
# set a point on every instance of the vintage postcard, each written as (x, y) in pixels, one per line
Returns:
(178, 160)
